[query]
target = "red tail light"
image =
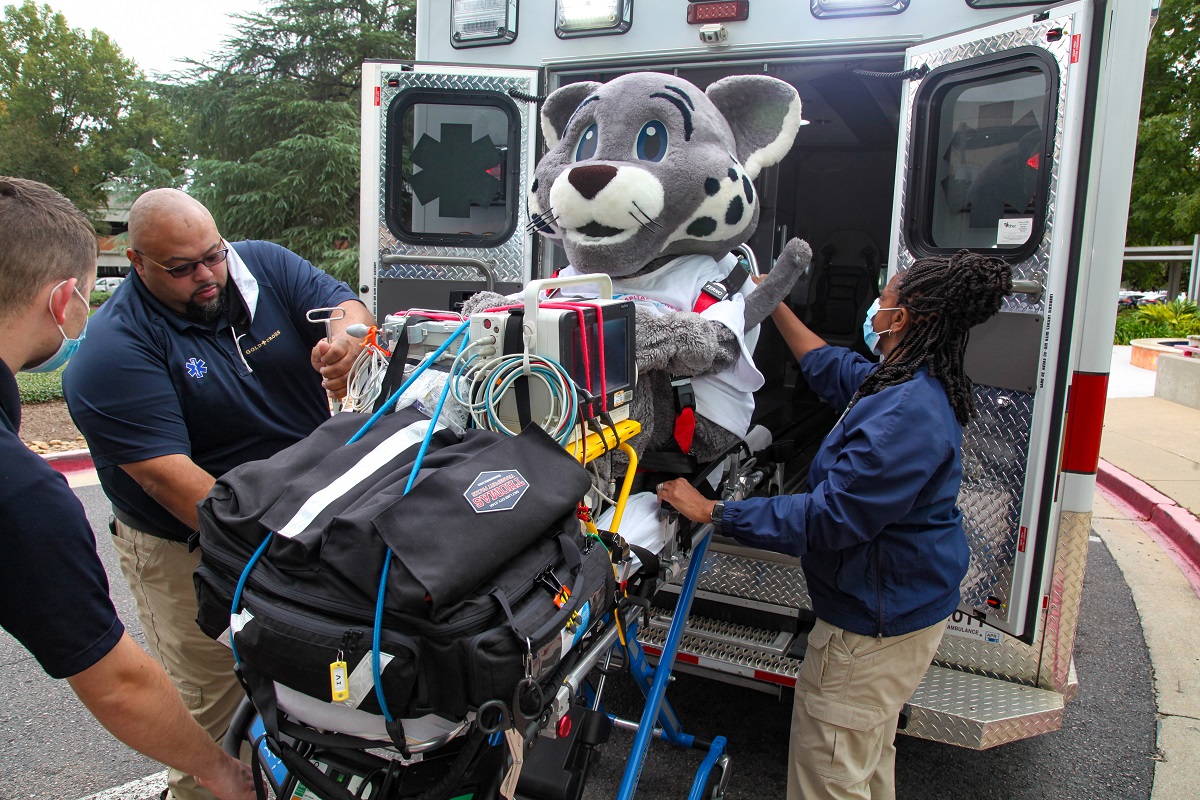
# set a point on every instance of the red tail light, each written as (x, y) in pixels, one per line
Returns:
(726, 11)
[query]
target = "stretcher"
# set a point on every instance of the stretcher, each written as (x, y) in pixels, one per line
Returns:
(542, 752)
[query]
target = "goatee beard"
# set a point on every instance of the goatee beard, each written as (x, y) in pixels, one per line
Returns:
(211, 311)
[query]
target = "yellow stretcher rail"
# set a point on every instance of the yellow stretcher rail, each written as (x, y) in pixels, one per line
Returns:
(600, 442)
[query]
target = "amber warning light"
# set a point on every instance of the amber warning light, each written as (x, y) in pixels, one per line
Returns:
(727, 11)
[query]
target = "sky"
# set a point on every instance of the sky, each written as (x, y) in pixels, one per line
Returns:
(155, 33)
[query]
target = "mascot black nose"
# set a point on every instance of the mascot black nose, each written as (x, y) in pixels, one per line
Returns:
(590, 180)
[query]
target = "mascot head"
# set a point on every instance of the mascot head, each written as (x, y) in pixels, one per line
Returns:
(648, 166)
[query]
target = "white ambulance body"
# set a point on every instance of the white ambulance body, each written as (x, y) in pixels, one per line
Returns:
(1004, 127)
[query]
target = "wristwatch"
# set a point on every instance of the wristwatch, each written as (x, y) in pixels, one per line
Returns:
(717, 511)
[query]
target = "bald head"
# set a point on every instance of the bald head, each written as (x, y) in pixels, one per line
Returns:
(168, 212)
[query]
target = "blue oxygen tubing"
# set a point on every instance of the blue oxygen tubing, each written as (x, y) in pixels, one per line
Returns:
(384, 409)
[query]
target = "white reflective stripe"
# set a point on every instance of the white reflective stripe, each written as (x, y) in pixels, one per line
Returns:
(384, 452)
(240, 620)
(362, 679)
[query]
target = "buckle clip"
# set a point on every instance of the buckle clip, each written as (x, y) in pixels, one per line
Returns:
(685, 393)
(716, 290)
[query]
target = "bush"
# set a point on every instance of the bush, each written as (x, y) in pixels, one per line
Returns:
(38, 387)
(1174, 313)
(1135, 325)
(96, 298)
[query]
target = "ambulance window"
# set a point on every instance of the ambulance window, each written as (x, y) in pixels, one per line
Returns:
(980, 173)
(451, 171)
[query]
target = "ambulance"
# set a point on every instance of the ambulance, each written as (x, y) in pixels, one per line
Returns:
(1005, 127)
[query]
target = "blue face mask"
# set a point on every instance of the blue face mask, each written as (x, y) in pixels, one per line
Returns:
(66, 348)
(870, 335)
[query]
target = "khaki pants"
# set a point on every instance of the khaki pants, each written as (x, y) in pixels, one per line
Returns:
(159, 573)
(848, 699)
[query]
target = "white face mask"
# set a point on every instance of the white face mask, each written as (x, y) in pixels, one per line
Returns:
(66, 347)
(870, 335)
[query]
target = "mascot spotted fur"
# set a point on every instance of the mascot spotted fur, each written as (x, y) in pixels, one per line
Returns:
(650, 180)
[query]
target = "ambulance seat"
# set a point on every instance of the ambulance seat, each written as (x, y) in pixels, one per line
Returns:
(843, 284)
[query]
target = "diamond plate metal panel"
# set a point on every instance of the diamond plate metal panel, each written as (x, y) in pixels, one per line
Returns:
(764, 581)
(978, 712)
(996, 445)
(1066, 592)
(507, 259)
(995, 452)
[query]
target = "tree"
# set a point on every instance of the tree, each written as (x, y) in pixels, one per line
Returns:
(1165, 204)
(274, 124)
(70, 105)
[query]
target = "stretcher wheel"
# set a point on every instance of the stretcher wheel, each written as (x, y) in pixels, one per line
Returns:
(714, 785)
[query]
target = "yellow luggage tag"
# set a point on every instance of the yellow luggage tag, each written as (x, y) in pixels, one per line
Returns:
(339, 679)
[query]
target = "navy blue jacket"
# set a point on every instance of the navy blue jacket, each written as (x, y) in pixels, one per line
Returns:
(147, 382)
(879, 531)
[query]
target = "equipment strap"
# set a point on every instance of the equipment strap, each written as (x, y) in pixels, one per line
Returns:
(714, 292)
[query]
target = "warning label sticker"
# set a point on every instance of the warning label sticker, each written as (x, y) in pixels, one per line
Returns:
(497, 490)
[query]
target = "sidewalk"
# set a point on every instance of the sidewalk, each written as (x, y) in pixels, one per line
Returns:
(1147, 499)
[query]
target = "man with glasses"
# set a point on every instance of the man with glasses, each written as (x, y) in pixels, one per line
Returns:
(202, 360)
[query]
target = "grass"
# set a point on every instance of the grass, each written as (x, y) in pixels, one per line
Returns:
(40, 387)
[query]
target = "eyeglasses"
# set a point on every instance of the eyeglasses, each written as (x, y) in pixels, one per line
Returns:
(183, 270)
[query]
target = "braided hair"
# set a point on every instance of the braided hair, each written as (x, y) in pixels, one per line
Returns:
(945, 298)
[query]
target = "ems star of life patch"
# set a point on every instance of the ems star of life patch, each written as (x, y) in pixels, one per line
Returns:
(495, 490)
(196, 368)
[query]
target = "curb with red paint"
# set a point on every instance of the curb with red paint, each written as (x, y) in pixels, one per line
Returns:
(1176, 525)
(70, 461)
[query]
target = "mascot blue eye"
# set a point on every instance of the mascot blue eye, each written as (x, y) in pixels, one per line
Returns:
(587, 144)
(652, 141)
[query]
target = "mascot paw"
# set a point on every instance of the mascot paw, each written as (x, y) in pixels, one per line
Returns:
(777, 285)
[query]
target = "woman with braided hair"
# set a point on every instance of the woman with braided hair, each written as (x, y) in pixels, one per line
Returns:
(878, 532)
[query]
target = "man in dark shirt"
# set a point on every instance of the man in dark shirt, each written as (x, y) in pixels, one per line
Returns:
(53, 589)
(203, 359)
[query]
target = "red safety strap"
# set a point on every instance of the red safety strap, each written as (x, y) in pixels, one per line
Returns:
(685, 428)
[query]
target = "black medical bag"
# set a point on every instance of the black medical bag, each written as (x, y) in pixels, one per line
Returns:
(490, 580)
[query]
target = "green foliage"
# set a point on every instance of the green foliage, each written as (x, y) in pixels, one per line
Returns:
(1172, 314)
(1131, 325)
(273, 125)
(71, 105)
(97, 298)
(40, 387)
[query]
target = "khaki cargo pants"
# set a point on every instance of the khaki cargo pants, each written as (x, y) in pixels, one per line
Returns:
(848, 699)
(159, 573)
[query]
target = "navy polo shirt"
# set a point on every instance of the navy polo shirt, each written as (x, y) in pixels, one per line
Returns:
(147, 382)
(53, 588)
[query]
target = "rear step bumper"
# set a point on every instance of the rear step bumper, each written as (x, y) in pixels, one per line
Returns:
(949, 706)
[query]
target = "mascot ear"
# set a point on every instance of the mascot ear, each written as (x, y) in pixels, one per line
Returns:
(559, 107)
(764, 114)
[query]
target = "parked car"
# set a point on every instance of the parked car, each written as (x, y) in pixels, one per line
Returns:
(108, 284)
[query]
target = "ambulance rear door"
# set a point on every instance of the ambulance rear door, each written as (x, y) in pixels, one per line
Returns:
(447, 159)
(989, 155)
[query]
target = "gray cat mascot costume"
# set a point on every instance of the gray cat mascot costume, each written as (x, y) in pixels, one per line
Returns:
(649, 180)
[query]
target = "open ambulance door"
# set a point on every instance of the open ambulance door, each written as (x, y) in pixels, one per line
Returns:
(989, 155)
(447, 158)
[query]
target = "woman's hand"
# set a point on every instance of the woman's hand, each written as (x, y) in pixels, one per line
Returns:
(684, 498)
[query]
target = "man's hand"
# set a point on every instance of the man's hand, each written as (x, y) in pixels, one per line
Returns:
(231, 781)
(334, 360)
(684, 498)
